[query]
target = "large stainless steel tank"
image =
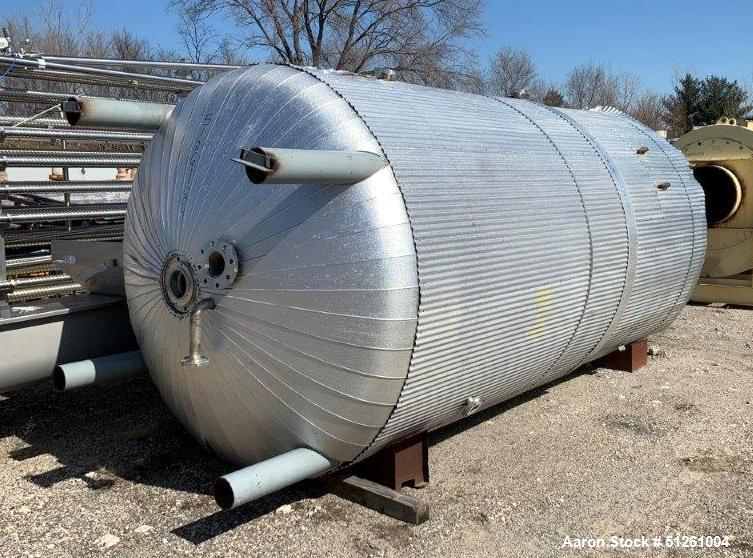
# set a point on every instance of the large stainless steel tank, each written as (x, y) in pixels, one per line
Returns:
(505, 244)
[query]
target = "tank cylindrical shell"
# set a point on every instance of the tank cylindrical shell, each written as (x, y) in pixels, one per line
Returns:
(505, 244)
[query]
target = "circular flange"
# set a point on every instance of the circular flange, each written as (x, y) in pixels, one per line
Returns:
(178, 284)
(217, 264)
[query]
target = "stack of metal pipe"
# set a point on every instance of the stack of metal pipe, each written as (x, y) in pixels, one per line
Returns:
(77, 129)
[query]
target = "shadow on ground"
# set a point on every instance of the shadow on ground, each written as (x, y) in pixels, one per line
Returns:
(125, 430)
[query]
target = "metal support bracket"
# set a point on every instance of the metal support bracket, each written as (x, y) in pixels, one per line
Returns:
(379, 498)
(405, 463)
(628, 358)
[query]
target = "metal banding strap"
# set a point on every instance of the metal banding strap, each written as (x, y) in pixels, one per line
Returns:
(630, 223)
(588, 230)
(662, 144)
(369, 447)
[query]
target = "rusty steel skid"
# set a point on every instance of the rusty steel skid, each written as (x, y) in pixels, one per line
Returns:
(628, 358)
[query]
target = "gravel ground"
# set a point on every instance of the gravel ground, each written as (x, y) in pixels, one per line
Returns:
(107, 471)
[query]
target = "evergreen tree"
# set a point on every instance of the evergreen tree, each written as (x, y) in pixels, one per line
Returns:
(683, 106)
(553, 98)
(721, 97)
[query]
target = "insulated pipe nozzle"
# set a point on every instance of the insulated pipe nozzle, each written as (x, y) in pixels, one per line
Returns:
(96, 370)
(245, 485)
(266, 165)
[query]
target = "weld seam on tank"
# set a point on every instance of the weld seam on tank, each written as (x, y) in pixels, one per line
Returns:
(413, 240)
(258, 480)
(101, 369)
(661, 144)
(589, 288)
(630, 223)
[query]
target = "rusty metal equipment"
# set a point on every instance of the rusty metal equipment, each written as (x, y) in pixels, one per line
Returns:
(722, 160)
(485, 246)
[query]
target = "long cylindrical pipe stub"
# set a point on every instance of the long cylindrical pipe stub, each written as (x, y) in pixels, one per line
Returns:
(313, 166)
(113, 113)
(96, 370)
(246, 485)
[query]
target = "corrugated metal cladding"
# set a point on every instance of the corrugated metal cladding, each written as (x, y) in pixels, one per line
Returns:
(506, 244)
(542, 239)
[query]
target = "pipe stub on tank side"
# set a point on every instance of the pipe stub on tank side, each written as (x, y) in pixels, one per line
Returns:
(76, 374)
(248, 484)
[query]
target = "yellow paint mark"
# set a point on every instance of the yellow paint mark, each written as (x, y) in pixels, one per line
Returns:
(543, 303)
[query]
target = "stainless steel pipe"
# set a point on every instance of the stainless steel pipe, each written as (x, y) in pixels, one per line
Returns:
(103, 160)
(23, 96)
(15, 263)
(195, 358)
(86, 372)
(266, 165)
(37, 122)
(88, 135)
(113, 113)
(95, 62)
(52, 187)
(42, 292)
(60, 213)
(144, 79)
(26, 282)
(248, 484)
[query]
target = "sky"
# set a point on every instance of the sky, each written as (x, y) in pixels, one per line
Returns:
(654, 39)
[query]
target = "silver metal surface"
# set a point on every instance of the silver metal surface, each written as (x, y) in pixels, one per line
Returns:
(536, 238)
(71, 159)
(36, 134)
(265, 165)
(37, 122)
(96, 265)
(44, 291)
(83, 211)
(24, 96)
(29, 238)
(95, 62)
(42, 68)
(112, 113)
(51, 186)
(195, 356)
(25, 282)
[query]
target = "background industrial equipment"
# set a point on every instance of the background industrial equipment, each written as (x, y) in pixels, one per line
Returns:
(69, 146)
(319, 264)
(722, 159)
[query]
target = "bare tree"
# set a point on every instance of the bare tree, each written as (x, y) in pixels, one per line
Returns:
(590, 85)
(200, 41)
(627, 87)
(423, 40)
(649, 110)
(512, 73)
(53, 28)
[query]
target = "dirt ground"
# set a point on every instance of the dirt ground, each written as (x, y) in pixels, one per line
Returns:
(107, 471)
